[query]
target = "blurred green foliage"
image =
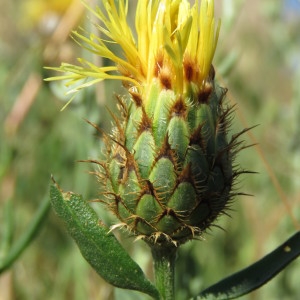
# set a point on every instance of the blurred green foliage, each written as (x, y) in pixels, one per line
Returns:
(257, 59)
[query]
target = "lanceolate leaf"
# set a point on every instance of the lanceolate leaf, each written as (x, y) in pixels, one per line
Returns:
(102, 250)
(256, 275)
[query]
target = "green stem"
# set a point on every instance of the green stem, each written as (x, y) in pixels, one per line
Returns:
(27, 236)
(164, 268)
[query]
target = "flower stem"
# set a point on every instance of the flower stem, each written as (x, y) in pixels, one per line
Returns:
(164, 268)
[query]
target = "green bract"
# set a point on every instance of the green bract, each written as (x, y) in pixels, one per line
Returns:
(168, 172)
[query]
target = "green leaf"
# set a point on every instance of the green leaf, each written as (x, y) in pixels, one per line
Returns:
(257, 274)
(101, 249)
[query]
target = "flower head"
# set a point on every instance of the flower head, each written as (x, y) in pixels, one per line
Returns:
(35, 12)
(167, 173)
(173, 42)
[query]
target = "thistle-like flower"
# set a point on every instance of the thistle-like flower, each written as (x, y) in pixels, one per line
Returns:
(168, 172)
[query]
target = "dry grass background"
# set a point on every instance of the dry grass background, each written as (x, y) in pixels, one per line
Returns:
(258, 59)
